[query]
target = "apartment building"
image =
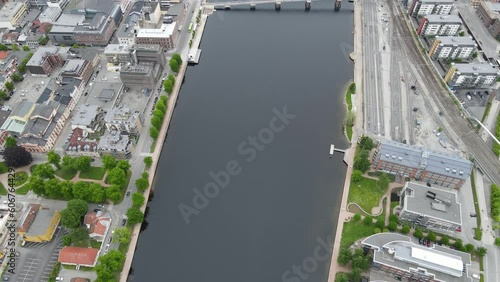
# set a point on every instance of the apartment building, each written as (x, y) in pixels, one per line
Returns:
(95, 31)
(126, 32)
(452, 47)
(78, 68)
(430, 7)
(164, 36)
(118, 145)
(87, 117)
(472, 75)
(489, 14)
(123, 120)
(50, 15)
(421, 164)
(12, 13)
(44, 61)
(432, 25)
(123, 54)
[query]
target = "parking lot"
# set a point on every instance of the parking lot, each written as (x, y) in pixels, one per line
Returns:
(473, 97)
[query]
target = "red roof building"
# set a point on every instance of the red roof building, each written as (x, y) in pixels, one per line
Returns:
(78, 256)
(79, 145)
(97, 223)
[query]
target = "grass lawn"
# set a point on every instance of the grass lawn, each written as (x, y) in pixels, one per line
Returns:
(21, 178)
(348, 132)
(3, 191)
(354, 231)
(23, 190)
(3, 168)
(349, 92)
(66, 174)
(95, 172)
(365, 193)
(153, 146)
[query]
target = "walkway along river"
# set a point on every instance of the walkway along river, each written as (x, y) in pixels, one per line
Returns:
(246, 189)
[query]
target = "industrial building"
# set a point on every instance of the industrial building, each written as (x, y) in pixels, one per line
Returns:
(472, 75)
(452, 47)
(431, 25)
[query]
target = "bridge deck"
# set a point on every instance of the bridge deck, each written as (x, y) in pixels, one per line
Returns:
(250, 2)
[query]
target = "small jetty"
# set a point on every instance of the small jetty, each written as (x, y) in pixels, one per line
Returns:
(194, 56)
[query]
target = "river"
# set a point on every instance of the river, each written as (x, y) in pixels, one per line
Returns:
(263, 107)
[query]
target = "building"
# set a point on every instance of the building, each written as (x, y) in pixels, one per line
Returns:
(95, 31)
(176, 11)
(143, 74)
(80, 145)
(151, 14)
(439, 25)
(452, 47)
(88, 118)
(62, 34)
(33, 40)
(38, 223)
(472, 75)
(164, 36)
(118, 54)
(78, 256)
(124, 5)
(430, 7)
(50, 15)
(78, 68)
(73, 20)
(43, 127)
(166, 4)
(44, 61)
(118, 145)
(10, 38)
(123, 120)
(4, 114)
(429, 207)
(402, 258)
(12, 13)
(489, 13)
(97, 224)
(18, 118)
(421, 164)
(49, 3)
(8, 63)
(126, 33)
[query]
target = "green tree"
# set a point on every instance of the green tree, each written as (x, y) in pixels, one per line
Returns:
(406, 229)
(355, 274)
(148, 161)
(393, 226)
(123, 165)
(117, 176)
(3, 95)
(171, 77)
(394, 218)
(458, 244)
(67, 162)
(97, 193)
(383, 182)
(431, 236)
(366, 143)
(75, 46)
(43, 40)
(474, 55)
(79, 206)
(44, 171)
(83, 163)
(356, 217)
(70, 219)
(444, 240)
(15, 47)
(54, 158)
(137, 200)
(159, 114)
(341, 277)
(469, 248)
(177, 58)
(497, 242)
(161, 107)
(168, 86)
(16, 77)
(164, 99)
(79, 237)
(53, 188)
(21, 68)
(361, 162)
(481, 251)
(66, 188)
(36, 185)
(142, 184)
(377, 230)
(113, 260)
(461, 33)
(104, 274)
(108, 161)
(134, 216)
(153, 132)
(114, 193)
(174, 66)
(156, 122)
(356, 176)
(380, 223)
(368, 220)
(3, 47)
(26, 48)
(81, 190)
(418, 233)
(360, 261)
(122, 235)
(345, 256)
(9, 85)
(10, 141)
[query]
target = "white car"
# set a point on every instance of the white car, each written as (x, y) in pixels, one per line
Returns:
(107, 248)
(59, 279)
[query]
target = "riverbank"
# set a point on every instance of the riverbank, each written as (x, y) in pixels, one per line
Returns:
(357, 103)
(172, 101)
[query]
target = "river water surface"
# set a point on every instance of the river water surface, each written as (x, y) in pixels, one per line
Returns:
(284, 196)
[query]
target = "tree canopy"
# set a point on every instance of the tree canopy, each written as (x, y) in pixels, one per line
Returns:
(17, 156)
(134, 216)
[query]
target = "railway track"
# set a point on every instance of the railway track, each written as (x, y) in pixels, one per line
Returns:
(483, 155)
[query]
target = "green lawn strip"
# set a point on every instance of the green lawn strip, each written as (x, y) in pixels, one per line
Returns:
(65, 173)
(348, 131)
(348, 98)
(95, 173)
(21, 178)
(486, 112)
(365, 193)
(3, 191)
(23, 190)
(354, 231)
(474, 195)
(3, 168)
(153, 146)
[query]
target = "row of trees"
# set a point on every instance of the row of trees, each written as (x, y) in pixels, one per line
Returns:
(134, 214)
(496, 146)
(14, 47)
(359, 261)
(22, 66)
(158, 116)
(108, 265)
(361, 160)
(168, 84)
(495, 202)
(176, 62)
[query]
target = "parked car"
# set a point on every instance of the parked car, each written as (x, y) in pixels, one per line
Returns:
(107, 248)
(420, 241)
(128, 193)
(97, 210)
(59, 279)
(424, 242)
(5, 278)
(428, 243)
(100, 206)
(110, 240)
(124, 221)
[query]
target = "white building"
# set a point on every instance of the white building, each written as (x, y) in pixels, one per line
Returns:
(472, 75)
(430, 7)
(11, 13)
(452, 47)
(440, 25)
(164, 36)
(50, 15)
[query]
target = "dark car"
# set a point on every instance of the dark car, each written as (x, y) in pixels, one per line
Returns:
(110, 239)
(420, 241)
(424, 242)
(128, 193)
(97, 210)
(124, 221)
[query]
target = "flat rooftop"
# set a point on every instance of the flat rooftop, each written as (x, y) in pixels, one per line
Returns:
(437, 1)
(433, 202)
(444, 19)
(117, 49)
(495, 7)
(477, 68)
(8, 10)
(165, 30)
(42, 221)
(456, 40)
(84, 115)
(70, 19)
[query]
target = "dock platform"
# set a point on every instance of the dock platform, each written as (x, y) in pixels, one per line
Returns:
(194, 56)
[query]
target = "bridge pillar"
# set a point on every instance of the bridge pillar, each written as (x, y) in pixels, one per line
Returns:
(308, 5)
(277, 5)
(338, 3)
(252, 7)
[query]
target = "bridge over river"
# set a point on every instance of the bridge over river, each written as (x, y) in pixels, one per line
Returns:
(277, 4)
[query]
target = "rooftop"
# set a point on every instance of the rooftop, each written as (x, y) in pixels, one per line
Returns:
(140, 68)
(9, 9)
(166, 30)
(40, 55)
(57, 28)
(437, 1)
(456, 40)
(444, 19)
(73, 66)
(420, 157)
(28, 217)
(495, 7)
(436, 203)
(176, 9)
(114, 141)
(94, 25)
(97, 222)
(78, 143)
(117, 49)
(70, 20)
(4, 114)
(40, 224)
(84, 115)
(476, 68)
(80, 256)
(399, 251)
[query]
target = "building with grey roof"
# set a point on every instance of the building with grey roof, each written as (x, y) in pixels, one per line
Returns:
(50, 15)
(176, 11)
(143, 74)
(60, 34)
(123, 120)
(399, 256)
(432, 25)
(88, 117)
(78, 68)
(489, 13)
(123, 54)
(49, 3)
(43, 127)
(126, 33)
(421, 164)
(66, 19)
(430, 7)
(95, 31)
(33, 40)
(19, 116)
(429, 207)
(44, 61)
(118, 145)
(482, 75)
(452, 47)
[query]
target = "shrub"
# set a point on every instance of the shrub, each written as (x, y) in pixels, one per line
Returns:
(368, 220)
(377, 230)
(394, 218)
(386, 230)
(469, 248)
(356, 217)
(406, 229)
(356, 176)
(497, 242)
(380, 223)
(458, 244)
(431, 236)
(393, 226)
(445, 240)
(418, 233)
